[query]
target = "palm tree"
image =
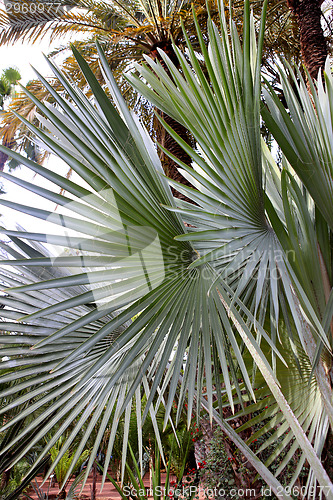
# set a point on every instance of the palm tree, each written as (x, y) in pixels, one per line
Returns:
(127, 32)
(157, 298)
(8, 82)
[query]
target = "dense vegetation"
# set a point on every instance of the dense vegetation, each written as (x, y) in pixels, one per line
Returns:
(221, 306)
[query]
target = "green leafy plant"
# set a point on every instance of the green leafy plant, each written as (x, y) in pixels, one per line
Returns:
(218, 472)
(16, 475)
(163, 299)
(165, 489)
(65, 464)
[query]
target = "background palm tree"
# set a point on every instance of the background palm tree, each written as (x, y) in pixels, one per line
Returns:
(8, 82)
(313, 43)
(9, 79)
(127, 31)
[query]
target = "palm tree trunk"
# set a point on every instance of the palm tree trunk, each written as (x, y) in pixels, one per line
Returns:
(164, 138)
(313, 43)
(5, 476)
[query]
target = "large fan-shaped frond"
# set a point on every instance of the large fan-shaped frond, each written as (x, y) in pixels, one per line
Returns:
(129, 266)
(139, 299)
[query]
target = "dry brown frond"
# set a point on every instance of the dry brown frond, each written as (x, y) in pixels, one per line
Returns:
(24, 24)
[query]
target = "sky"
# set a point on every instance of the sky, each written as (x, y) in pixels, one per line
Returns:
(22, 56)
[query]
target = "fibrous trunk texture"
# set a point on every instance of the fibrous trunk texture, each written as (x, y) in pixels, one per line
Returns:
(313, 43)
(163, 137)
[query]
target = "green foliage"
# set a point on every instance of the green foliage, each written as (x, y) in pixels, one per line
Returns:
(12, 75)
(178, 456)
(64, 464)
(17, 473)
(161, 299)
(8, 80)
(180, 450)
(5, 88)
(218, 471)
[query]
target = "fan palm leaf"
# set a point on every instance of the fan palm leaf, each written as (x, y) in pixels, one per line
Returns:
(272, 435)
(247, 242)
(140, 297)
(166, 285)
(231, 230)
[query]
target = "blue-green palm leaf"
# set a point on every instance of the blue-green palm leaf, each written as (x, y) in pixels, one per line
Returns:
(121, 312)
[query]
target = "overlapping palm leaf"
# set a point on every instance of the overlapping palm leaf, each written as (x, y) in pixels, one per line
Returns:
(305, 133)
(125, 29)
(274, 442)
(35, 371)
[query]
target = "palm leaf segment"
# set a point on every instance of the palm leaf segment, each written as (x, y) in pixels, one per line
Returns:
(142, 307)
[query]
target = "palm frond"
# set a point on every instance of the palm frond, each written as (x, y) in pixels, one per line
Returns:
(124, 222)
(307, 135)
(230, 229)
(147, 298)
(235, 226)
(30, 24)
(273, 437)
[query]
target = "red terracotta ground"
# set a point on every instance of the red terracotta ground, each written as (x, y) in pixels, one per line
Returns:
(109, 492)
